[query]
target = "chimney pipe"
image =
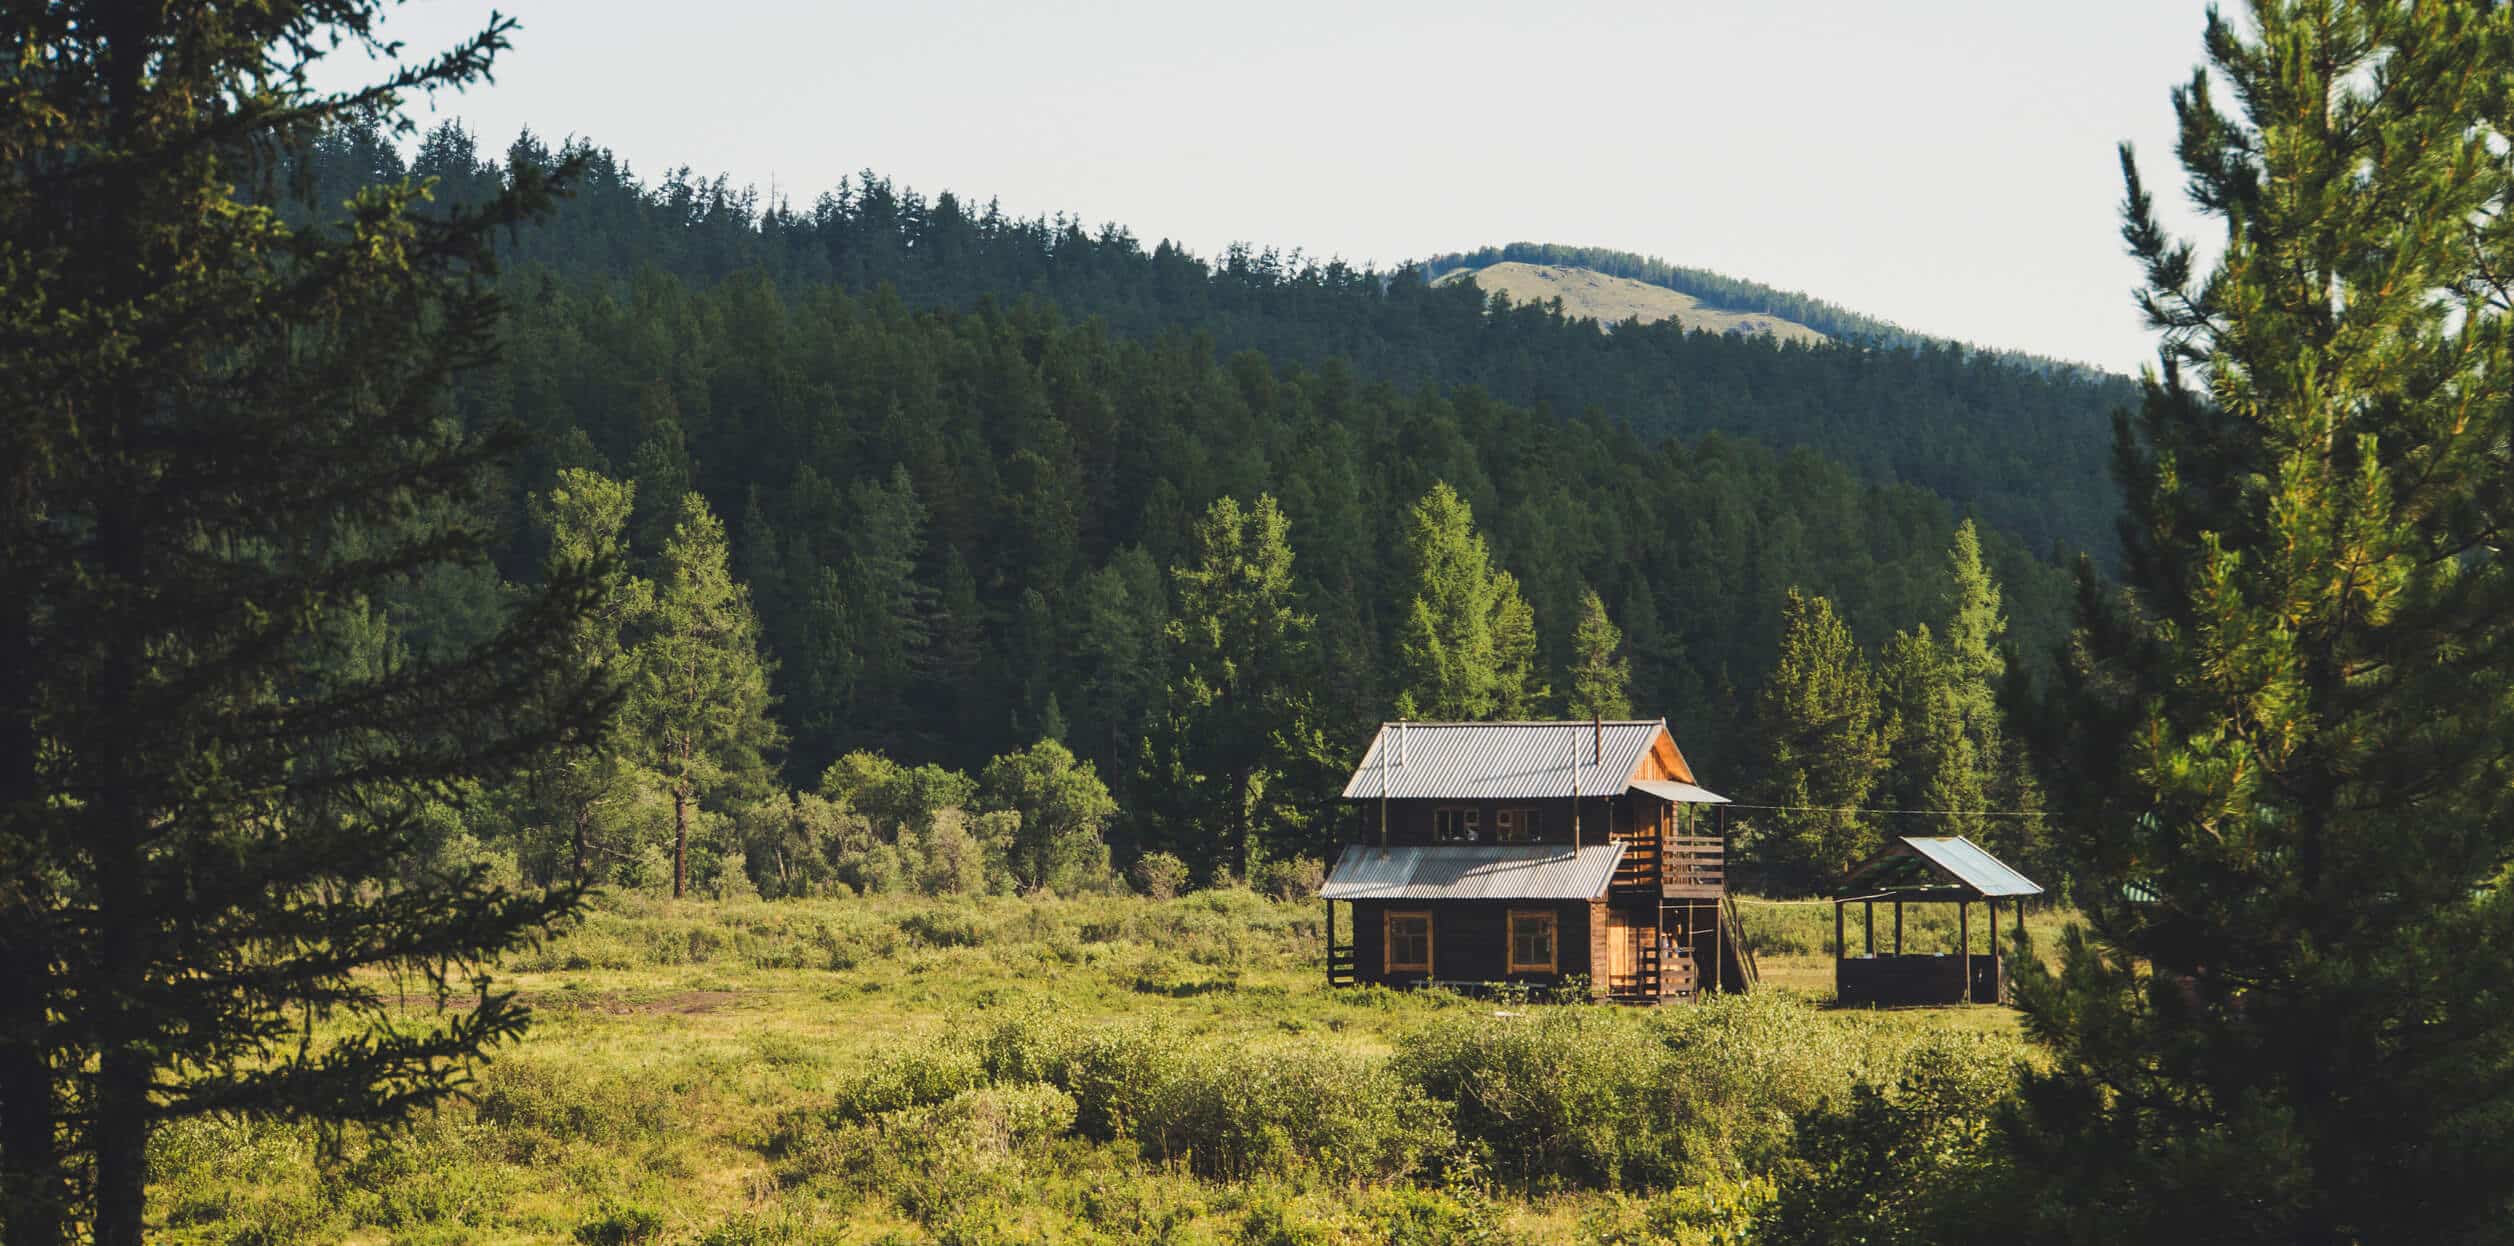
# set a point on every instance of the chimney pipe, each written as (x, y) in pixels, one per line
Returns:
(1597, 723)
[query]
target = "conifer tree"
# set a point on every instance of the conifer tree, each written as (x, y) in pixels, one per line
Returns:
(1238, 749)
(1466, 646)
(2288, 729)
(1817, 718)
(226, 437)
(701, 711)
(585, 517)
(1601, 677)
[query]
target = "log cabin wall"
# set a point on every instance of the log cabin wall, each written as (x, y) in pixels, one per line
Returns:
(1471, 939)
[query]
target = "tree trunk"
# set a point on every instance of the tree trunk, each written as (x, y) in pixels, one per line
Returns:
(30, 1179)
(680, 841)
(584, 845)
(120, 1138)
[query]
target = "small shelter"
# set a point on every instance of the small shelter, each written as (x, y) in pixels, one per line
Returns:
(1926, 870)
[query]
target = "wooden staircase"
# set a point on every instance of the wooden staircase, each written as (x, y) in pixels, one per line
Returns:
(1736, 955)
(1341, 962)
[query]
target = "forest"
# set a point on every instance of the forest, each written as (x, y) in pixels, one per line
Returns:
(845, 704)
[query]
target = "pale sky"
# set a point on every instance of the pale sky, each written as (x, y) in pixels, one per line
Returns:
(1945, 165)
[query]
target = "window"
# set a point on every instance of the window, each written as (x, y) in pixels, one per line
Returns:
(1458, 826)
(1408, 943)
(1515, 826)
(1531, 942)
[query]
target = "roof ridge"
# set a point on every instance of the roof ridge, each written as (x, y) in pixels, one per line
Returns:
(1523, 722)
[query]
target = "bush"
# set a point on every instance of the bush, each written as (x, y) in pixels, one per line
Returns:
(1160, 875)
(1565, 1096)
(1902, 1163)
(1296, 878)
(621, 1226)
(733, 878)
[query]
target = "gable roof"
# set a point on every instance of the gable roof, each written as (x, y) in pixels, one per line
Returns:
(1503, 761)
(1473, 872)
(1920, 860)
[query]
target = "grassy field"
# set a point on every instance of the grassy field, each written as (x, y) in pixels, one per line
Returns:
(1613, 300)
(1067, 1069)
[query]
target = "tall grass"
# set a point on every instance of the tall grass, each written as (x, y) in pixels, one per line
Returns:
(1095, 1068)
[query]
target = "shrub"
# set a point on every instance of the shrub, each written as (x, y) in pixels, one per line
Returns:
(1160, 875)
(944, 926)
(1905, 1162)
(627, 1225)
(1294, 878)
(733, 878)
(1565, 1096)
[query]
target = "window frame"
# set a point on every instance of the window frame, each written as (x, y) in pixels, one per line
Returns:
(1515, 825)
(1469, 818)
(1388, 962)
(1553, 924)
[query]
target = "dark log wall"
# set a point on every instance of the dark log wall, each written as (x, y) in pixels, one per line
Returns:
(1471, 939)
(1412, 821)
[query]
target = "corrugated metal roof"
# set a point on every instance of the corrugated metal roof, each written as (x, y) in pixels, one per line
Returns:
(1473, 872)
(1953, 857)
(1500, 761)
(1679, 793)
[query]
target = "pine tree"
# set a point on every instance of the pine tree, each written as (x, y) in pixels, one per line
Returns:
(585, 517)
(701, 710)
(1238, 750)
(226, 440)
(1466, 647)
(2288, 728)
(1600, 677)
(1817, 717)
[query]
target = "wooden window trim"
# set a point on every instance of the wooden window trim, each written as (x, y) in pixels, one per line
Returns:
(1388, 962)
(1553, 941)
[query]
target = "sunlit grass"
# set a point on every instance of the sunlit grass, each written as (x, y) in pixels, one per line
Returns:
(674, 1045)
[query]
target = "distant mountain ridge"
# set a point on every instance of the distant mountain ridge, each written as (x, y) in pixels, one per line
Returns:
(1731, 294)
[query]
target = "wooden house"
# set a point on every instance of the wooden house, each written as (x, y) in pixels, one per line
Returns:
(1533, 853)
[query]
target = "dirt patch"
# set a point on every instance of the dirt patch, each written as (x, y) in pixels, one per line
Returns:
(684, 1003)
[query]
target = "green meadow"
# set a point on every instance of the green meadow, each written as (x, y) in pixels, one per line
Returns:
(1103, 1069)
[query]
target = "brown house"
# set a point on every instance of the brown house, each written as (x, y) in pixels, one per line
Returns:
(1533, 852)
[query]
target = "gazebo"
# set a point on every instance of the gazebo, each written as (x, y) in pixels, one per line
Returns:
(1926, 870)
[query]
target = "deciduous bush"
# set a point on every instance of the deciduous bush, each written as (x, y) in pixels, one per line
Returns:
(1292, 878)
(1160, 875)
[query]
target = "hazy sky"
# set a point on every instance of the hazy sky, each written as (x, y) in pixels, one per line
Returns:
(1948, 166)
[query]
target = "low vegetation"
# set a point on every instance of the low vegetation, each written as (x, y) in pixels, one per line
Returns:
(991, 1068)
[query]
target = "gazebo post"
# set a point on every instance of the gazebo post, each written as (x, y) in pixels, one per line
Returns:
(1868, 918)
(1898, 927)
(1964, 939)
(1992, 907)
(1838, 948)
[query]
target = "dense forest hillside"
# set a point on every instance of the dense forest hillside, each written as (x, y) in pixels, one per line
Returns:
(1586, 294)
(963, 462)
(2023, 447)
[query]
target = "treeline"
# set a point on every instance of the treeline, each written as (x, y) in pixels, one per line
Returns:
(2020, 444)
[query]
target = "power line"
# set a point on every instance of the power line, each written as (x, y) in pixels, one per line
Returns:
(1969, 813)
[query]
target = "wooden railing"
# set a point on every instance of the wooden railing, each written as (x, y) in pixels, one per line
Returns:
(1693, 865)
(1342, 962)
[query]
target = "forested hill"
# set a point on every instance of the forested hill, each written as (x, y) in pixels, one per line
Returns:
(2023, 447)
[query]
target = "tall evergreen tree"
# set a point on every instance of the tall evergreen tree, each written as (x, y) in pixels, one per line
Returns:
(2291, 729)
(1466, 645)
(1238, 748)
(1600, 677)
(701, 709)
(1817, 718)
(226, 437)
(585, 517)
